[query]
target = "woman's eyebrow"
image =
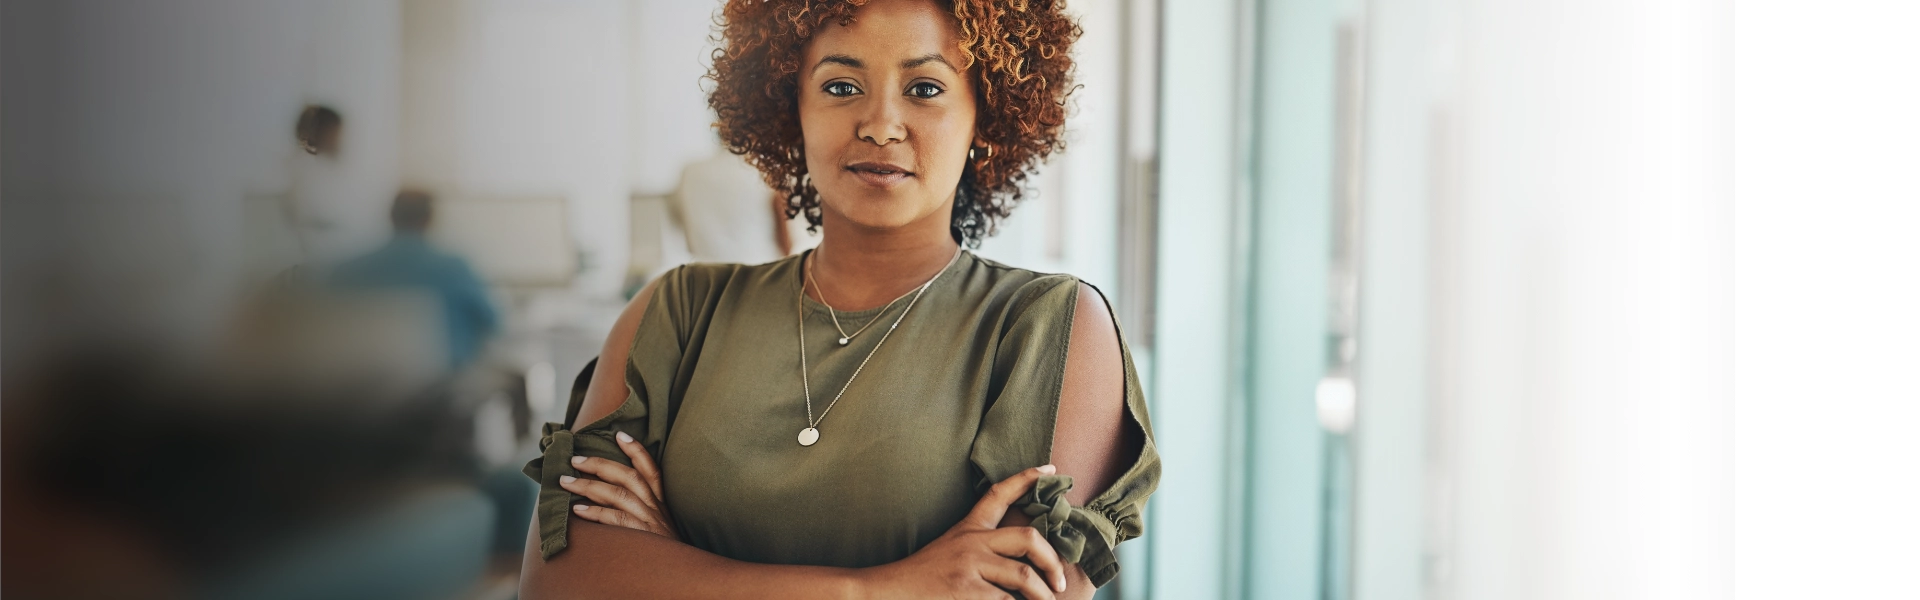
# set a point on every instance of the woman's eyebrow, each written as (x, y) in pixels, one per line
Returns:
(838, 59)
(925, 60)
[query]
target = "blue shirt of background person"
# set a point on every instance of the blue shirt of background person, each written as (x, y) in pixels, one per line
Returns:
(408, 260)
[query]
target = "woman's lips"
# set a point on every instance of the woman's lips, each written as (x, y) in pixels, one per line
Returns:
(879, 174)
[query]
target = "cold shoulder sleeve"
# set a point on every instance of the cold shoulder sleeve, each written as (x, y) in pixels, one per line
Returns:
(655, 375)
(1017, 431)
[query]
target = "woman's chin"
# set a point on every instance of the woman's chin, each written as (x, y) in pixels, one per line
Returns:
(882, 222)
(884, 213)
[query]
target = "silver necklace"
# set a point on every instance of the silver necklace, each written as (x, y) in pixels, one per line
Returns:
(834, 314)
(811, 434)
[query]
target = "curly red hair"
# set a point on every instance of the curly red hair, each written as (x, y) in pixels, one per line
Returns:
(1024, 76)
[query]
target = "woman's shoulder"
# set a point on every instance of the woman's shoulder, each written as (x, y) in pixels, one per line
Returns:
(1026, 290)
(1008, 277)
(703, 272)
(708, 278)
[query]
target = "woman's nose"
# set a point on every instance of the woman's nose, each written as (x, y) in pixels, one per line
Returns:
(882, 124)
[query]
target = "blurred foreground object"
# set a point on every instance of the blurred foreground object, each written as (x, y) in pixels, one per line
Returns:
(180, 481)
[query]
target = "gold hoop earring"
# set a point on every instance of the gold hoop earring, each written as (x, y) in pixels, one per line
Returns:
(970, 154)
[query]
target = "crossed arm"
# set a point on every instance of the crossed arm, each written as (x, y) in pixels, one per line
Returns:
(975, 559)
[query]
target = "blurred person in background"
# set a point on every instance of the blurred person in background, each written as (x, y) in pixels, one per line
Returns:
(320, 186)
(729, 214)
(318, 131)
(887, 414)
(409, 261)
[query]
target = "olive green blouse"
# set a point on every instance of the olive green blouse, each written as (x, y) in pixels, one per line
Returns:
(961, 395)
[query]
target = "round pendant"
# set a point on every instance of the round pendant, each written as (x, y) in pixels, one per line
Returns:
(808, 436)
(843, 341)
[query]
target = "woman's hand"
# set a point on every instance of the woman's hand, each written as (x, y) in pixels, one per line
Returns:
(976, 558)
(627, 496)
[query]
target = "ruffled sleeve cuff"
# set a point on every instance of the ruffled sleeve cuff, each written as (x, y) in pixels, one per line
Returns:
(1084, 536)
(558, 445)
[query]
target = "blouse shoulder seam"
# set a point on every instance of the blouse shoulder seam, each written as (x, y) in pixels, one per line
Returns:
(1037, 275)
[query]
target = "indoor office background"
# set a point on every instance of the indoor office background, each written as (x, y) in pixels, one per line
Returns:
(1428, 294)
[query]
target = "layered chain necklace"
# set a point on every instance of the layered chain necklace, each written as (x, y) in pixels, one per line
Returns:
(811, 434)
(846, 338)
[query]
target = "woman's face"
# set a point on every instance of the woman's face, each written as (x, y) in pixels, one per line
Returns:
(887, 114)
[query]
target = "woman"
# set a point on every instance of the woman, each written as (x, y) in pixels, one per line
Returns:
(887, 415)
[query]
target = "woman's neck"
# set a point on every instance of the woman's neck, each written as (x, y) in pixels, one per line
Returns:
(862, 268)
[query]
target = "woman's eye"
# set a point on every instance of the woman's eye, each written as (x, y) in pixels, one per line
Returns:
(841, 89)
(924, 90)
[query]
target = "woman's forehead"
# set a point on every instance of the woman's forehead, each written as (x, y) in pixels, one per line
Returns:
(889, 33)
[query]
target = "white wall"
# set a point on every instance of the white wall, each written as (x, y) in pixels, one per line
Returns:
(1393, 365)
(1825, 288)
(1563, 167)
(594, 101)
(525, 99)
(670, 123)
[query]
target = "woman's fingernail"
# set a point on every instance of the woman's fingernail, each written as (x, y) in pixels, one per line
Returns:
(566, 479)
(1048, 469)
(579, 508)
(1060, 584)
(624, 438)
(579, 459)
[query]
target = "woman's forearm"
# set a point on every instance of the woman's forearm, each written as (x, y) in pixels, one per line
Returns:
(602, 561)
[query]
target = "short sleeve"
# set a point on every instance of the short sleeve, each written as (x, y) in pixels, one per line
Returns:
(1017, 432)
(654, 378)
